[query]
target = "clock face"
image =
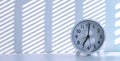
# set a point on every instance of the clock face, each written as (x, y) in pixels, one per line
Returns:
(88, 36)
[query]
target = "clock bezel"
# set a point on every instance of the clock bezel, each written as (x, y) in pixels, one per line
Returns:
(77, 48)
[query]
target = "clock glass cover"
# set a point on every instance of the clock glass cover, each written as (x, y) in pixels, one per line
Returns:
(87, 36)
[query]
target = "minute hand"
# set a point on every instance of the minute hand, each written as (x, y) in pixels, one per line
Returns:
(88, 28)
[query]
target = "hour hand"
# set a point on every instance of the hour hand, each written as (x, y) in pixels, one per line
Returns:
(85, 40)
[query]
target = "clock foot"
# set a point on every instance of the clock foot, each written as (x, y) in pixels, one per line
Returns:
(78, 53)
(88, 54)
(98, 53)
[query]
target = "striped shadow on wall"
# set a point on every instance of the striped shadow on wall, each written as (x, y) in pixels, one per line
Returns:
(63, 19)
(33, 26)
(94, 10)
(117, 24)
(7, 26)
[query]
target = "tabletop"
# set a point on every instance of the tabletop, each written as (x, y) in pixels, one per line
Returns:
(59, 57)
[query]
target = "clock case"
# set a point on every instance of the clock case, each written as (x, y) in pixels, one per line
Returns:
(99, 51)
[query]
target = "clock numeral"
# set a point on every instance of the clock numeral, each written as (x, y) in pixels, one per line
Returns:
(78, 30)
(98, 42)
(94, 46)
(93, 26)
(86, 25)
(78, 42)
(82, 26)
(76, 36)
(88, 48)
(100, 36)
(98, 30)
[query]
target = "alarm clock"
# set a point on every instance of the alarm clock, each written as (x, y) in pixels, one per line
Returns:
(87, 36)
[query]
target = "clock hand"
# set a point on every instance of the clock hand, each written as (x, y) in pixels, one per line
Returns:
(87, 35)
(88, 28)
(85, 40)
(89, 31)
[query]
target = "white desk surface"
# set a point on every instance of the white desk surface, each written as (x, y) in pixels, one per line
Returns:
(59, 57)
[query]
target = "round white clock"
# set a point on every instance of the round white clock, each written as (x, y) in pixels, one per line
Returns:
(88, 36)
